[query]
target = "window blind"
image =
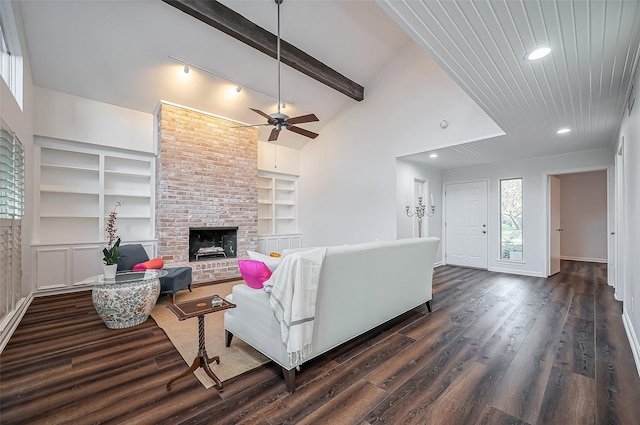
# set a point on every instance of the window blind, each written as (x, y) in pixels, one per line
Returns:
(11, 212)
(11, 175)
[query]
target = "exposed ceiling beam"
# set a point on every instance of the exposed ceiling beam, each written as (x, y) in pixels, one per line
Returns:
(237, 26)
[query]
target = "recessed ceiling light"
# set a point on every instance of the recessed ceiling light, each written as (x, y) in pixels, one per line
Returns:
(540, 52)
(563, 130)
(433, 155)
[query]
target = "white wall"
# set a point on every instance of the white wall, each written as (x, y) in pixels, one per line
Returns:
(278, 159)
(629, 231)
(347, 188)
(534, 173)
(67, 117)
(583, 216)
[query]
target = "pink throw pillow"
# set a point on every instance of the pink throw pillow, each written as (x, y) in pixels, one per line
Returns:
(155, 263)
(254, 272)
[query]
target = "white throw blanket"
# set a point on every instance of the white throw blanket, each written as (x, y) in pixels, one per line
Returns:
(293, 288)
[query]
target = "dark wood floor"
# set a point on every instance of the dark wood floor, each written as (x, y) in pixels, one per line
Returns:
(497, 349)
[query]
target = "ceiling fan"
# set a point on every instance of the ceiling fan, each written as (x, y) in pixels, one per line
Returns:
(279, 120)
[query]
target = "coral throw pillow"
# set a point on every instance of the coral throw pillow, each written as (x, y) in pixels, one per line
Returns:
(155, 263)
(254, 272)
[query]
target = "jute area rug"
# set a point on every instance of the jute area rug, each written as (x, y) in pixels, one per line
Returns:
(234, 360)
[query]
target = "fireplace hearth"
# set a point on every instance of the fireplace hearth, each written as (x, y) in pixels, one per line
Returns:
(210, 243)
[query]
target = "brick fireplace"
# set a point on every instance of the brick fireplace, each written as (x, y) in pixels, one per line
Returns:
(206, 177)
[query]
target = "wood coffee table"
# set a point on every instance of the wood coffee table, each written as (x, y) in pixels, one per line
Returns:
(192, 308)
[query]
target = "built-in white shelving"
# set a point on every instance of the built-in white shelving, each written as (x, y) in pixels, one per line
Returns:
(276, 205)
(277, 225)
(78, 186)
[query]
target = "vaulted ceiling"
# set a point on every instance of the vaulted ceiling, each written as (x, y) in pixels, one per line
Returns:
(132, 54)
(129, 53)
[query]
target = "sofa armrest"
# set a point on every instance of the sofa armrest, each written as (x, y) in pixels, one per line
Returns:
(253, 322)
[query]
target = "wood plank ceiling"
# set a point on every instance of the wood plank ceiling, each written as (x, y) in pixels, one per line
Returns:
(583, 84)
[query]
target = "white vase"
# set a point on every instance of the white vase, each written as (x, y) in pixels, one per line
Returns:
(109, 271)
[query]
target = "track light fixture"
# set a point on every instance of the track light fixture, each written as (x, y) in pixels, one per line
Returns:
(239, 85)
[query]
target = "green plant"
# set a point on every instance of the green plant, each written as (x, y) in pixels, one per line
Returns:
(111, 254)
(111, 251)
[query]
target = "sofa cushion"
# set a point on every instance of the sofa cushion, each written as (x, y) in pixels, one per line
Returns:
(155, 263)
(271, 262)
(254, 272)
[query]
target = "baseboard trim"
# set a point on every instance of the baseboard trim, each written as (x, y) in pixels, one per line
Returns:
(11, 322)
(519, 272)
(633, 339)
(65, 290)
(586, 259)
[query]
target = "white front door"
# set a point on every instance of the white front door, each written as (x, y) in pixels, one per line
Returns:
(466, 224)
(554, 225)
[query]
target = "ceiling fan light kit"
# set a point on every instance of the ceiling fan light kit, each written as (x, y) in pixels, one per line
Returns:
(279, 120)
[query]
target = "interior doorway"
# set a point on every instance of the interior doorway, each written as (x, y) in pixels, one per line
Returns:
(618, 253)
(554, 229)
(420, 228)
(577, 217)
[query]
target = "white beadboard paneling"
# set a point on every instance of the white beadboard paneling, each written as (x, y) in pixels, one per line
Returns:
(583, 84)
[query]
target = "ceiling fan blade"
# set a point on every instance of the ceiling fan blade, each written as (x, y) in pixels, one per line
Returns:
(302, 119)
(303, 132)
(257, 111)
(274, 135)
(251, 125)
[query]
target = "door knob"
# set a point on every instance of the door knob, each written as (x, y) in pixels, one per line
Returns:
(613, 233)
(484, 231)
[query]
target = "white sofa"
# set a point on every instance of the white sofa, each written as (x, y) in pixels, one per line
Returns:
(361, 286)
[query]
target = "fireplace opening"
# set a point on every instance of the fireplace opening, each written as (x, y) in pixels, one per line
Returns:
(208, 243)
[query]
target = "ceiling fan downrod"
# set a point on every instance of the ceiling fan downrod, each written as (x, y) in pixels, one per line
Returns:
(278, 2)
(281, 121)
